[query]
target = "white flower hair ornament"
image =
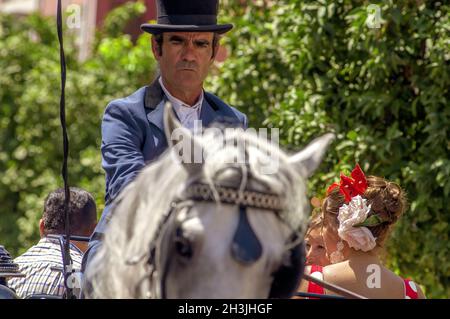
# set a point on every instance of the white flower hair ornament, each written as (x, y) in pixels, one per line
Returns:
(352, 218)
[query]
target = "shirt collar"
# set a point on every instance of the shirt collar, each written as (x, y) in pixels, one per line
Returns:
(53, 241)
(156, 117)
(179, 105)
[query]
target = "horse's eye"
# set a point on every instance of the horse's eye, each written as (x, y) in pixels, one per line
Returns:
(183, 245)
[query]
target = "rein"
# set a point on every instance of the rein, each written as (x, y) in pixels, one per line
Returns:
(334, 288)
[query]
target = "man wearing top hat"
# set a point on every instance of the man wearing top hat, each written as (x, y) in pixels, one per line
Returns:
(185, 42)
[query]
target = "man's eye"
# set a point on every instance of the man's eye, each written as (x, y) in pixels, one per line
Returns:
(203, 44)
(320, 247)
(176, 41)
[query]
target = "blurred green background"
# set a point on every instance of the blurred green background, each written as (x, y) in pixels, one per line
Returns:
(306, 67)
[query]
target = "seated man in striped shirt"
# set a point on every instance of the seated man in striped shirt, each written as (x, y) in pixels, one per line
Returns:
(43, 262)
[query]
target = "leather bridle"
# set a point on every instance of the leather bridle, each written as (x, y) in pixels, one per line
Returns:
(202, 192)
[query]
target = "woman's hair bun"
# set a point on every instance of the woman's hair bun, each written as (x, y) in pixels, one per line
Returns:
(387, 198)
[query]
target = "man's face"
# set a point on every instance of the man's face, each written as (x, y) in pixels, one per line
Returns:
(186, 58)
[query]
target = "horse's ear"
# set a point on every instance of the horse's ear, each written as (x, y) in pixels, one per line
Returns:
(308, 159)
(171, 124)
(186, 147)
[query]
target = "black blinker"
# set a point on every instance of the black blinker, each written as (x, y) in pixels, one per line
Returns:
(245, 248)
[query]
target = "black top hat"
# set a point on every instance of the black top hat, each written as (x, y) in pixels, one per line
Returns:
(187, 15)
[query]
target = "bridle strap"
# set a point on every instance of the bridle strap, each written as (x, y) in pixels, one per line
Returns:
(230, 195)
(154, 257)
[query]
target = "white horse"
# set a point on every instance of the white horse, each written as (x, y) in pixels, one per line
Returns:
(220, 228)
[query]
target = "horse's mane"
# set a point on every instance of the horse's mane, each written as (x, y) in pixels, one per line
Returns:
(118, 269)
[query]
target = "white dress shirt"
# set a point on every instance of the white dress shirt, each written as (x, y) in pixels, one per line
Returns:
(186, 114)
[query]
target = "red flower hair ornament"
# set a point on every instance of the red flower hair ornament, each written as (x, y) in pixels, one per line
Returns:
(353, 215)
(351, 186)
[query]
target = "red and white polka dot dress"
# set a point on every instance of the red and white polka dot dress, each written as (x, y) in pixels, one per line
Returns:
(410, 289)
(316, 272)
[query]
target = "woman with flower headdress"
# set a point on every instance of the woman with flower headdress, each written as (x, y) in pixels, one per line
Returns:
(357, 217)
(315, 247)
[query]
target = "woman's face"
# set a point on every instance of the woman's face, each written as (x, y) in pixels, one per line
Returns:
(315, 249)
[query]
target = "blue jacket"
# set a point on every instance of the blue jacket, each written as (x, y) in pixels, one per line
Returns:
(133, 135)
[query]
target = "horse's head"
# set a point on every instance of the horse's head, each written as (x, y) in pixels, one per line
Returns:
(221, 216)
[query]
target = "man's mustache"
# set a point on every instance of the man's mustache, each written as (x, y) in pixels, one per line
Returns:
(190, 65)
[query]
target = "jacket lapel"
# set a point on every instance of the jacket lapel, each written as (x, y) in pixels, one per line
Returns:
(154, 102)
(207, 114)
(153, 95)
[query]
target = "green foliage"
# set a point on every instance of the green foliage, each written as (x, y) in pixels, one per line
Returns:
(306, 67)
(30, 132)
(117, 20)
(310, 67)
